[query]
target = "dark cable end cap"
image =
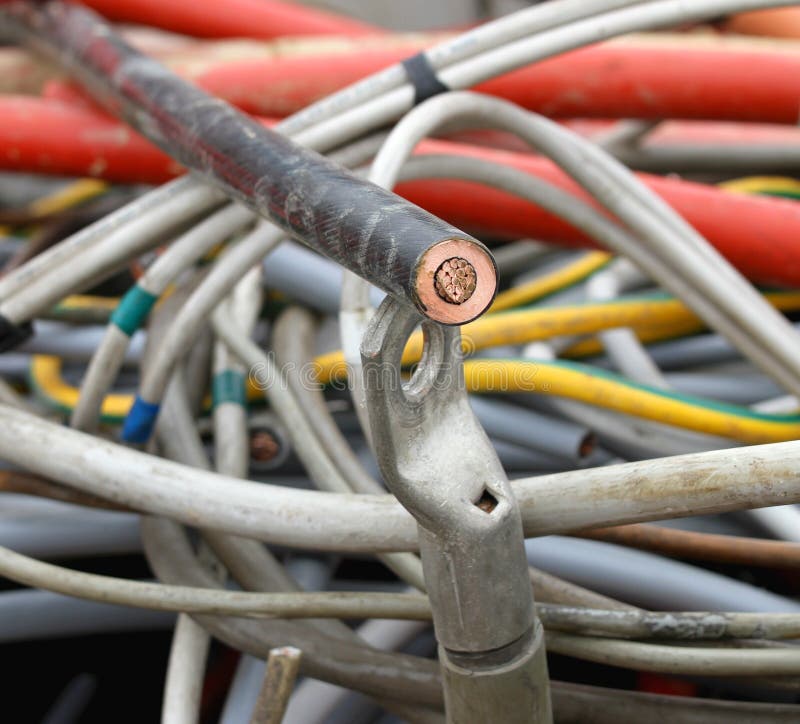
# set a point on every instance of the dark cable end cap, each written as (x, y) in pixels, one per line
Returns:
(12, 335)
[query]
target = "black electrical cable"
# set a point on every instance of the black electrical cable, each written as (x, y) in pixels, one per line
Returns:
(386, 240)
(13, 335)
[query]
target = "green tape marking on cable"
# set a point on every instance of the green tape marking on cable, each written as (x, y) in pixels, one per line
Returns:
(133, 309)
(228, 386)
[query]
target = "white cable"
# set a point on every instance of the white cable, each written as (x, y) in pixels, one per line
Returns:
(183, 252)
(236, 261)
(485, 37)
(66, 270)
(734, 308)
(612, 495)
(622, 345)
(187, 659)
(313, 700)
(344, 126)
(151, 203)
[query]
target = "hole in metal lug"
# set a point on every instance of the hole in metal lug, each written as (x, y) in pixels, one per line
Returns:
(487, 502)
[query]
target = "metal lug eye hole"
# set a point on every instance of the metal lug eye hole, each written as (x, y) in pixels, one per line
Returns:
(428, 368)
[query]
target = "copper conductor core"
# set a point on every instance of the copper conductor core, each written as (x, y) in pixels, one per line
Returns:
(263, 446)
(455, 280)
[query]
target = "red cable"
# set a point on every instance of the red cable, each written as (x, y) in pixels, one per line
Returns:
(667, 685)
(230, 18)
(633, 78)
(47, 136)
(640, 78)
(758, 235)
(778, 22)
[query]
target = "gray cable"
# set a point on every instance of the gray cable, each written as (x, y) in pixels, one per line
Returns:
(53, 530)
(649, 580)
(524, 427)
(32, 615)
(740, 389)
(666, 249)
(307, 278)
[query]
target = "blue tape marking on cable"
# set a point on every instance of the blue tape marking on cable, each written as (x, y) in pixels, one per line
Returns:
(140, 421)
(423, 77)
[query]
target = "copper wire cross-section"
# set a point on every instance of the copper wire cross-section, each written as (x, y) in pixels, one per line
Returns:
(455, 280)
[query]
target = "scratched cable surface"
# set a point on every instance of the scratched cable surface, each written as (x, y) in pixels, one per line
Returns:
(360, 225)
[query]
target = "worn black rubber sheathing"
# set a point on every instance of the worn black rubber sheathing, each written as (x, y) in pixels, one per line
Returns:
(371, 231)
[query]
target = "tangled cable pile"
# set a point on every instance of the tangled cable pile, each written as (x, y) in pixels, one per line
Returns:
(188, 358)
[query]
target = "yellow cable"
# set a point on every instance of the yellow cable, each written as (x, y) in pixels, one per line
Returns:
(563, 379)
(531, 325)
(50, 386)
(646, 335)
(65, 198)
(46, 380)
(85, 301)
(762, 184)
(519, 327)
(549, 283)
(69, 196)
(613, 393)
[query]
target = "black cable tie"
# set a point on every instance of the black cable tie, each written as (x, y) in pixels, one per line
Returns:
(423, 77)
(13, 335)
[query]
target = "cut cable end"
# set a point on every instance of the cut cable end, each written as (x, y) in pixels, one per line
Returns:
(456, 281)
